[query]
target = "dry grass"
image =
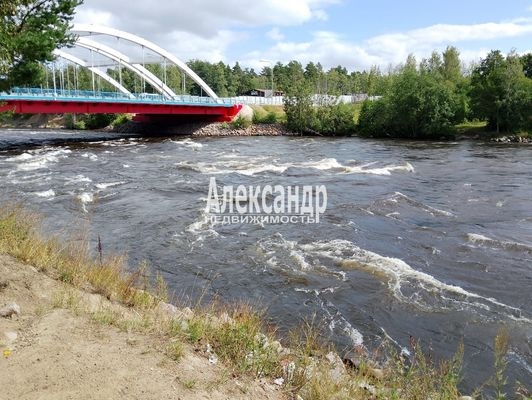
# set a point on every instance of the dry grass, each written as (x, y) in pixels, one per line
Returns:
(236, 336)
(71, 263)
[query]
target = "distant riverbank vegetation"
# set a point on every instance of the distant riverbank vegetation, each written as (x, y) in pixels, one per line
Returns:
(433, 99)
(437, 97)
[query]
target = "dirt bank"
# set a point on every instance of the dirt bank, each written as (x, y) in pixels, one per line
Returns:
(57, 348)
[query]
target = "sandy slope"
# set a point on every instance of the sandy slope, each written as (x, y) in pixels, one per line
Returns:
(59, 354)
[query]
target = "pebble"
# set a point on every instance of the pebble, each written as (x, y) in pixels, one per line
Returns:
(10, 336)
(279, 381)
(9, 310)
(376, 373)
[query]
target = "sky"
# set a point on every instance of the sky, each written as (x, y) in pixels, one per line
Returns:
(352, 33)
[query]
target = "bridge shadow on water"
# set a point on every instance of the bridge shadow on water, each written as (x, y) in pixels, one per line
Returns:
(13, 139)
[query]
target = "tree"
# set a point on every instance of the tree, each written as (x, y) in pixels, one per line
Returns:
(29, 32)
(419, 104)
(298, 105)
(526, 59)
(313, 73)
(432, 65)
(500, 92)
(451, 69)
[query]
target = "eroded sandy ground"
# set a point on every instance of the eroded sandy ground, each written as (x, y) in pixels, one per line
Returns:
(55, 353)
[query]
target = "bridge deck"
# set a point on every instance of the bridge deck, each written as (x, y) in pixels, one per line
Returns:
(146, 106)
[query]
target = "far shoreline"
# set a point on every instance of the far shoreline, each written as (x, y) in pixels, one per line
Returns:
(221, 129)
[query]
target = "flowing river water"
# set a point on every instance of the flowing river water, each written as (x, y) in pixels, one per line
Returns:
(425, 240)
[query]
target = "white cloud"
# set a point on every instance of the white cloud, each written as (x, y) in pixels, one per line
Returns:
(332, 49)
(202, 29)
(217, 30)
(203, 17)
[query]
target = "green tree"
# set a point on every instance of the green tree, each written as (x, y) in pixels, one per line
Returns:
(334, 119)
(419, 104)
(298, 105)
(526, 59)
(313, 74)
(500, 92)
(432, 65)
(29, 32)
(451, 69)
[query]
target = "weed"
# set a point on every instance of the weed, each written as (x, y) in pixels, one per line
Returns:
(189, 384)
(175, 350)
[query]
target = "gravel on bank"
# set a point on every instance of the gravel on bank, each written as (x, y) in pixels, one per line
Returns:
(205, 129)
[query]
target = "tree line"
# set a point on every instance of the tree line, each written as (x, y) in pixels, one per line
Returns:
(428, 99)
(425, 99)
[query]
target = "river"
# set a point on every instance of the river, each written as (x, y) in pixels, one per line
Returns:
(419, 239)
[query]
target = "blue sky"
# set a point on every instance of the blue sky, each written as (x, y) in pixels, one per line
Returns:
(352, 33)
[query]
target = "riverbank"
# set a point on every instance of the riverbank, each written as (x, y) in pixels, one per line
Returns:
(206, 129)
(77, 320)
(62, 343)
(218, 129)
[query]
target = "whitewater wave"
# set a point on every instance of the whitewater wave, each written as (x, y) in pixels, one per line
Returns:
(407, 284)
(398, 197)
(389, 207)
(38, 159)
(90, 156)
(202, 228)
(501, 244)
(290, 257)
(46, 194)
(76, 179)
(85, 198)
(103, 186)
(188, 143)
(246, 167)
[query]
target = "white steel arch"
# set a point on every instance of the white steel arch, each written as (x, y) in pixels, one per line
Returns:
(115, 55)
(85, 28)
(97, 71)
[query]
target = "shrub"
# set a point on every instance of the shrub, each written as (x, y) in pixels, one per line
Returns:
(98, 121)
(240, 123)
(121, 119)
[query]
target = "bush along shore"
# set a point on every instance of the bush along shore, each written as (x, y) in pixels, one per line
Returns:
(261, 123)
(303, 365)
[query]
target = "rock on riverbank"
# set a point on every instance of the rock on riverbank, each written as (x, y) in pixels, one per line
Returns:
(202, 129)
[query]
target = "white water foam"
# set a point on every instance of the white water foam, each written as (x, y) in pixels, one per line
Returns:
(407, 284)
(46, 194)
(38, 159)
(74, 180)
(246, 167)
(278, 250)
(398, 197)
(188, 143)
(103, 186)
(502, 244)
(85, 198)
(90, 156)
(399, 275)
(202, 228)
(20, 157)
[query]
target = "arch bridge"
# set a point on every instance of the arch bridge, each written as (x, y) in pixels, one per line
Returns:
(165, 106)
